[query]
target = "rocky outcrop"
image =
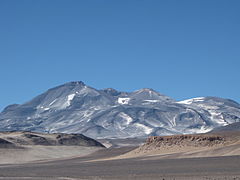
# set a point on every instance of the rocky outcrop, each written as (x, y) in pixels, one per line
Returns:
(6, 144)
(185, 140)
(18, 139)
(76, 140)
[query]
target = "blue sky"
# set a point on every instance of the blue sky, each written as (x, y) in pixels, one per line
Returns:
(183, 49)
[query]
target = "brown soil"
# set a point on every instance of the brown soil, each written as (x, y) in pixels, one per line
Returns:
(185, 146)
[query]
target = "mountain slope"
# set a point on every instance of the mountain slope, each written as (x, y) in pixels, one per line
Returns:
(188, 146)
(77, 108)
(235, 127)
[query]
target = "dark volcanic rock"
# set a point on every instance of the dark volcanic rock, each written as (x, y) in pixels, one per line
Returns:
(38, 140)
(19, 139)
(6, 144)
(76, 140)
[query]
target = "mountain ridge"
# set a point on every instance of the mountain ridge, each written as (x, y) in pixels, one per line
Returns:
(74, 107)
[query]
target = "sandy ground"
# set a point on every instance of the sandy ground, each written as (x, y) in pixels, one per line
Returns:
(184, 152)
(43, 153)
(117, 143)
(206, 168)
(220, 162)
(183, 146)
(24, 147)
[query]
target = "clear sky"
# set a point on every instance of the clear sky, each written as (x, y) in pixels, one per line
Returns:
(183, 49)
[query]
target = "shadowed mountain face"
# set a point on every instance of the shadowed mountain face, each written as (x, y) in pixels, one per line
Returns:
(77, 108)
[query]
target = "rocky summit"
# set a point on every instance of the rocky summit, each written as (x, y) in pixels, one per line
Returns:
(77, 108)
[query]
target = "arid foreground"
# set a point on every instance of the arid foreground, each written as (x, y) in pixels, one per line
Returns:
(214, 156)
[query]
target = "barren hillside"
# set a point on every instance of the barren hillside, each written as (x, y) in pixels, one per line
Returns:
(183, 146)
(21, 147)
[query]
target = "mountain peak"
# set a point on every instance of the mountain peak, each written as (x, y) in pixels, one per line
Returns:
(145, 90)
(150, 94)
(75, 83)
(111, 91)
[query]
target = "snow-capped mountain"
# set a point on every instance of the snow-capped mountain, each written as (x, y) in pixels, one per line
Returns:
(77, 108)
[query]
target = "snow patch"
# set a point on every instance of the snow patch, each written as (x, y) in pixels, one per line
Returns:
(87, 114)
(69, 99)
(146, 129)
(203, 129)
(193, 100)
(216, 116)
(126, 117)
(152, 101)
(67, 102)
(123, 100)
(43, 108)
(52, 102)
(150, 93)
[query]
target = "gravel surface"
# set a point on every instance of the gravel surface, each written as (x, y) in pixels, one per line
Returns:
(209, 168)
